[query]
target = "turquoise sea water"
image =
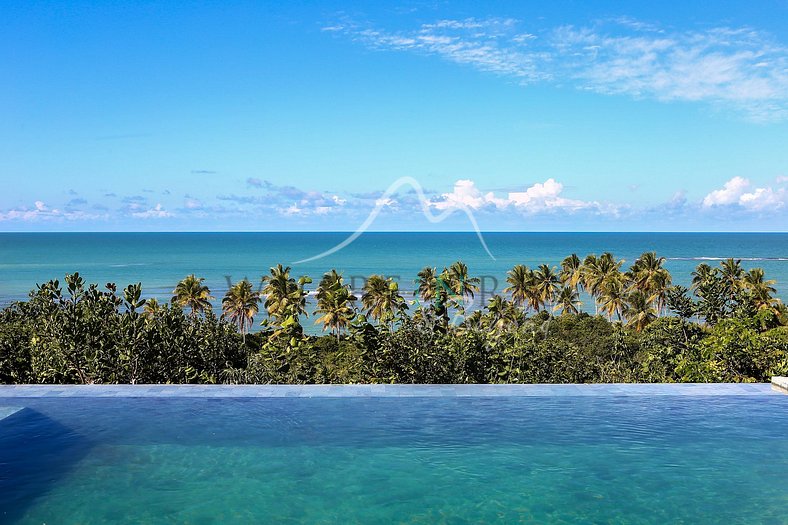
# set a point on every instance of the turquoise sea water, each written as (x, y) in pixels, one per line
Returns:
(160, 260)
(601, 459)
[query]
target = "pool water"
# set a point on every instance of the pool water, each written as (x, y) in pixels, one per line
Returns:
(390, 459)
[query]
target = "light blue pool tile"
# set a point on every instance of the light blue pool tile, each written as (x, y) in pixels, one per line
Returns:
(387, 390)
(7, 411)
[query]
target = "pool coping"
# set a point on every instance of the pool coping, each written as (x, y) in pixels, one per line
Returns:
(393, 390)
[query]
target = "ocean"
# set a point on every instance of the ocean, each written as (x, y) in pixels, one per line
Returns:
(160, 260)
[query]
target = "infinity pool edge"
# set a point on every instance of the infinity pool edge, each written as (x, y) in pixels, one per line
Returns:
(393, 390)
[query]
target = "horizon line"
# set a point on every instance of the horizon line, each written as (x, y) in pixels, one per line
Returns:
(391, 231)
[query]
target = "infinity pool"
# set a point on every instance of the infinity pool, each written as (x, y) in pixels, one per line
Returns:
(574, 454)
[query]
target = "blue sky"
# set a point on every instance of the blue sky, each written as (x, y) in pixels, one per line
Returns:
(259, 116)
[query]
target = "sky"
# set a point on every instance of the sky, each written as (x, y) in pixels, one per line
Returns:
(420, 115)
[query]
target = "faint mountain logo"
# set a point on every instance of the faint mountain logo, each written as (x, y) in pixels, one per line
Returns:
(425, 209)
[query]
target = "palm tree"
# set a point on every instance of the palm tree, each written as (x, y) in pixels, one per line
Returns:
(660, 284)
(520, 279)
(335, 304)
(329, 281)
(192, 293)
(240, 304)
(545, 284)
(502, 313)
(759, 288)
(609, 266)
(703, 274)
(648, 275)
(572, 272)
(592, 278)
(284, 296)
(732, 273)
(152, 308)
(639, 311)
(568, 301)
(612, 297)
(427, 284)
(597, 270)
(382, 299)
(433, 288)
(461, 284)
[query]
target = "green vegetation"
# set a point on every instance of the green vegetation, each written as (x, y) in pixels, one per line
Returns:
(726, 327)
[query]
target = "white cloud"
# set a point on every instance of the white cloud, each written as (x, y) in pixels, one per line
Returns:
(490, 45)
(313, 203)
(540, 197)
(781, 179)
(727, 67)
(41, 212)
(386, 202)
(546, 195)
(464, 194)
(291, 210)
(763, 199)
(157, 212)
(737, 191)
(729, 194)
(738, 68)
(191, 203)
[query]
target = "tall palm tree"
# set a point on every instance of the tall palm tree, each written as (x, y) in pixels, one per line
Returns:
(329, 281)
(502, 313)
(427, 281)
(592, 278)
(732, 274)
(335, 305)
(647, 272)
(545, 284)
(660, 285)
(240, 304)
(613, 296)
(598, 270)
(759, 288)
(433, 288)
(639, 311)
(382, 299)
(192, 293)
(572, 272)
(520, 279)
(703, 273)
(568, 301)
(461, 283)
(284, 296)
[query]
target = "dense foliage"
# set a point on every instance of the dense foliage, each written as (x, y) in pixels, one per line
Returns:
(727, 327)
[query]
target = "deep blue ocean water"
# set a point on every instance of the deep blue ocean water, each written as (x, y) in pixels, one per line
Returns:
(159, 260)
(566, 459)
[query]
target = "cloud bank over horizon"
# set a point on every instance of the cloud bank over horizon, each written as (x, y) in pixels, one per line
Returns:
(735, 200)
